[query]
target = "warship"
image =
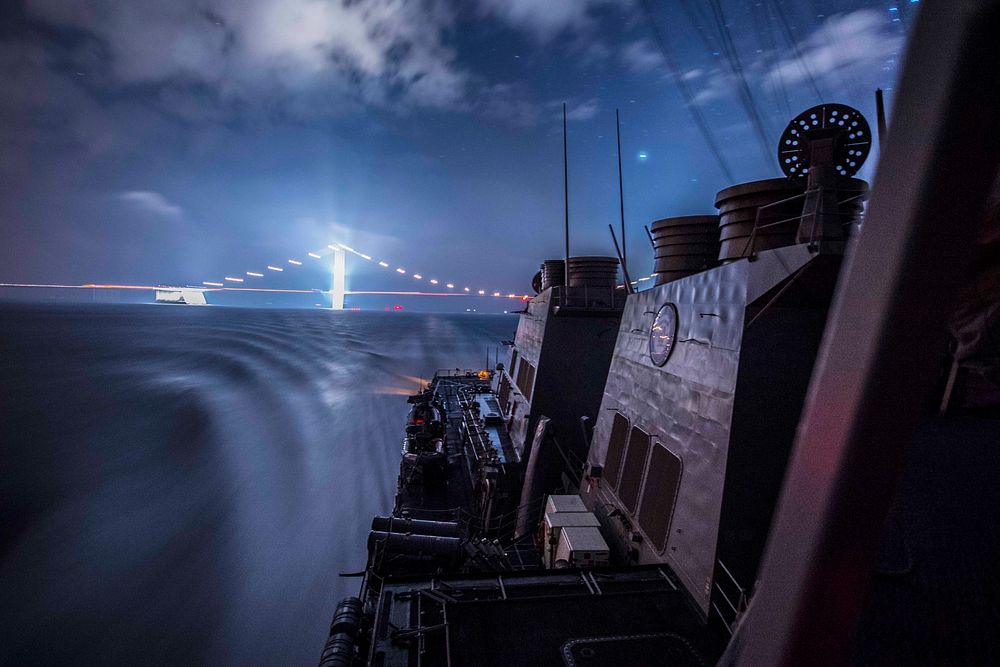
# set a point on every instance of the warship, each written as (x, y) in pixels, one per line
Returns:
(780, 453)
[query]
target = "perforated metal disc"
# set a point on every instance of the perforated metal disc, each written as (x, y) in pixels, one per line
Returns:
(853, 139)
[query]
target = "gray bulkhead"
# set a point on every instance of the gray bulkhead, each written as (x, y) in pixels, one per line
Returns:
(686, 406)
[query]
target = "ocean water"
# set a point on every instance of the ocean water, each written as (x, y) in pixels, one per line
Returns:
(183, 485)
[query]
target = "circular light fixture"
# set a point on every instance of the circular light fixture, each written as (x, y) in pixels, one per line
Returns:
(663, 334)
(852, 139)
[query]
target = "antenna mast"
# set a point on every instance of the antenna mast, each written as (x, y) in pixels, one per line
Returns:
(880, 115)
(566, 191)
(628, 281)
(621, 191)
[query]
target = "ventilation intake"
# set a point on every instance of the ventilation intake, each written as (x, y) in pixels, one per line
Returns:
(553, 273)
(684, 245)
(595, 272)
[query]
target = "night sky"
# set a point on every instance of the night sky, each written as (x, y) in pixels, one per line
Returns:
(153, 142)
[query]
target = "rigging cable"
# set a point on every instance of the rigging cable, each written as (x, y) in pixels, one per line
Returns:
(794, 45)
(735, 66)
(767, 46)
(685, 91)
(696, 17)
(746, 97)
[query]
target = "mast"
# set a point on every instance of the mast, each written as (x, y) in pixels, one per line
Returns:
(566, 192)
(628, 281)
(621, 191)
(880, 115)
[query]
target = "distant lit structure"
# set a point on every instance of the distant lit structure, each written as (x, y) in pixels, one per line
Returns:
(339, 288)
(186, 296)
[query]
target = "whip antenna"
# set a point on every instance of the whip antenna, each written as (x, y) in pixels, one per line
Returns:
(566, 191)
(621, 190)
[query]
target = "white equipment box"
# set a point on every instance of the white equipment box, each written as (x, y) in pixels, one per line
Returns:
(553, 525)
(571, 503)
(581, 546)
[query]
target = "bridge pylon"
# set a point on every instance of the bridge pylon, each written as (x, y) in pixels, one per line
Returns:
(339, 288)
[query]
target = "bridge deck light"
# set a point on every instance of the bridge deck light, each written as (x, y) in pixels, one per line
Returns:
(255, 274)
(401, 271)
(295, 262)
(384, 265)
(206, 282)
(466, 289)
(434, 281)
(482, 292)
(418, 276)
(314, 255)
(275, 268)
(234, 280)
(364, 256)
(496, 293)
(450, 286)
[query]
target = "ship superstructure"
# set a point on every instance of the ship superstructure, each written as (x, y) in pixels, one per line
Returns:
(629, 453)
(620, 490)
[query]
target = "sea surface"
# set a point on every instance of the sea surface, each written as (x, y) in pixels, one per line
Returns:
(183, 485)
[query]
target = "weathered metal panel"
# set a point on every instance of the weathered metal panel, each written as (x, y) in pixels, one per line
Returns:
(687, 404)
(570, 351)
(769, 268)
(528, 343)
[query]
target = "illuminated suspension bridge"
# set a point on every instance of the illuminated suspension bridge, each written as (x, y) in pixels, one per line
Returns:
(256, 281)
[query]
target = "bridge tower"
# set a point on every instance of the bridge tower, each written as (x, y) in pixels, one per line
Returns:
(339, 288)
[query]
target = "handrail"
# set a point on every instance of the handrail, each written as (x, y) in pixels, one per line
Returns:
(595, 298)
(751, 240)
(737, 607)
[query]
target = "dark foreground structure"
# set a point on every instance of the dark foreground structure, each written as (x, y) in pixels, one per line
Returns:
(781, 454)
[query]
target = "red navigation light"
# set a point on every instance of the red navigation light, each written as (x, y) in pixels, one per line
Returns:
(525, 297)
(397, 307)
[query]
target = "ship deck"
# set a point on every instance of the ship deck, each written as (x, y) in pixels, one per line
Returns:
(558, 617)
(450, 499)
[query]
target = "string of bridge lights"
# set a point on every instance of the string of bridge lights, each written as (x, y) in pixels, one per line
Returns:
(338, 246)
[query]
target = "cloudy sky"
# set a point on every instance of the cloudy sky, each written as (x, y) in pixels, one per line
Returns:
(177, 142)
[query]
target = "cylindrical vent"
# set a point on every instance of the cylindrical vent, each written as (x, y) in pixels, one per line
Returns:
(553, 273)
(347, 617)
(395, 524)
(338, 651)
(780, 207)
(598, 272)
(738, 213)
(684, 245)
(413, 545)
